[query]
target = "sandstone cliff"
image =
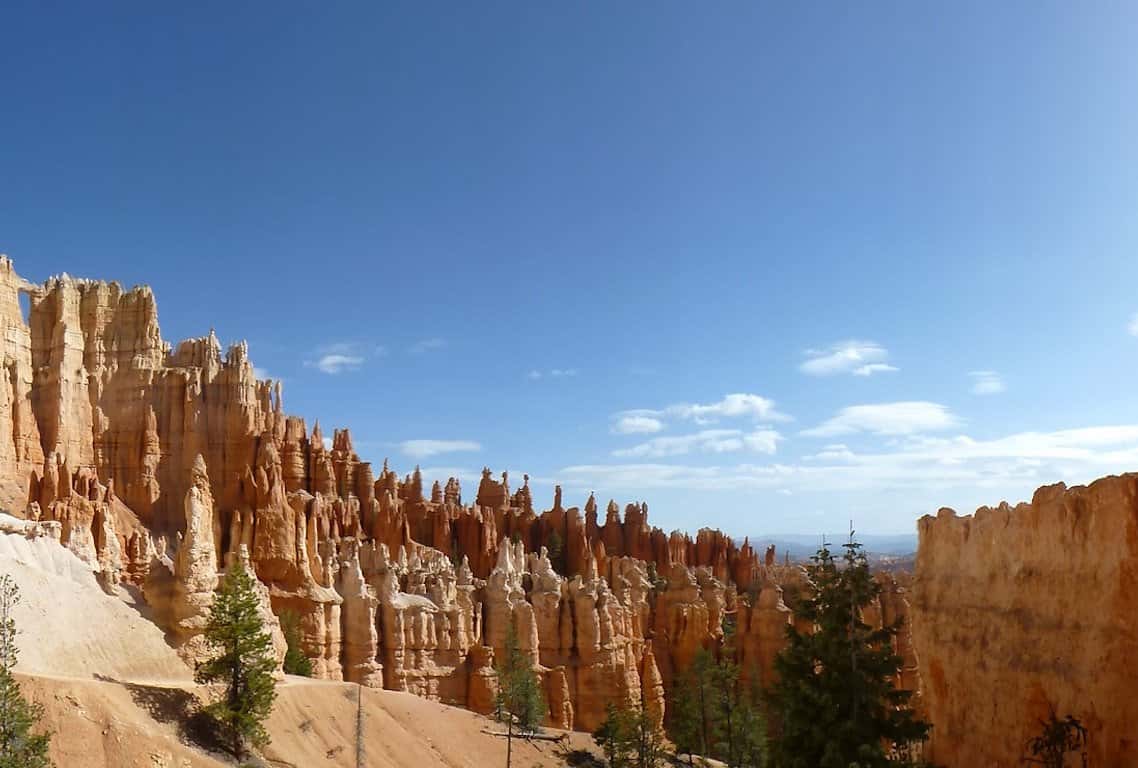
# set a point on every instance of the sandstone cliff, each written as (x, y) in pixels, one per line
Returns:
(159, 465)
(1017, 610)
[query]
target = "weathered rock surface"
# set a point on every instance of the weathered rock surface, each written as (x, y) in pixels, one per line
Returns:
(161, 466)
(1020, 609)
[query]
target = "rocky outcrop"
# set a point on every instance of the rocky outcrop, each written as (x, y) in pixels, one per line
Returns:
(162, 466)
(1018, 610)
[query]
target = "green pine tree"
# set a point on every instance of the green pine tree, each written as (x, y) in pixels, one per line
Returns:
(19, 746)
(738, 729)
(647, 740)
(244, 662)
(614, 736)
(295, 662)
(691, 720)
(629, 738)
(835, 692)
(520, 698)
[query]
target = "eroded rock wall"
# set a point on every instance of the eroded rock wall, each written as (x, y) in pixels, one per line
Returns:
(1017, 610)
(163, 465)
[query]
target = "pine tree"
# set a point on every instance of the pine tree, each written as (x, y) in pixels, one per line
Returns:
(244, 663)
(691, 718)
(295, 662)
(19, 746)
(614, 736)
(835, 694)
(738, 728)
(629, 738)
(647, 740)
(520, 699)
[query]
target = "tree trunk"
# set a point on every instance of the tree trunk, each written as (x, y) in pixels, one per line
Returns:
(509, 738)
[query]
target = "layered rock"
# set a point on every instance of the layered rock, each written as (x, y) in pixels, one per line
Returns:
(164, 465)
(1020, 610)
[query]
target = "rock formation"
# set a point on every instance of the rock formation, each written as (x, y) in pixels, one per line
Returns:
(1017, 610)
(161, 466)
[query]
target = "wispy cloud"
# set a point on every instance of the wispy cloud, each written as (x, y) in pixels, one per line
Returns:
(861, 358)
(736, 405)
(1133, 326)
(260, 373)
(832, 452)
(552, 373)
(337, 357)
(986, 383)
(636, 423)
(871, 368)
(902, 418)
(427, 345)
(1023, 459)
(421, 449)
(705, 441)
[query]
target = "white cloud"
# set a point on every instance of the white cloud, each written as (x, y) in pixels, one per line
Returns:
(335, 363)
(421, 449)
(427, 345)
(762, 441)
(861, 358)
(706, 441)
(1023, 461)
(260, 373)
(902, 418)
(635, 422)
(337, 357)
(736, 405)
(553, 373)
(871, 368)
(986, 383)
(1133, 326)
(832, 452)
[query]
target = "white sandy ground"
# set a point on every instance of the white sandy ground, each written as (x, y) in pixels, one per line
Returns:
(69, 626)
(117, 696)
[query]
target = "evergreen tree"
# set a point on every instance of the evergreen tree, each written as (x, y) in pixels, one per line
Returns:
(520, 699)
(647, 741)
(752, 748)
(244, 662)
(19, 746)
(835, 695)
(615, 736)
(738, 728)
(295, 662)
(691, 718)
(629, 738)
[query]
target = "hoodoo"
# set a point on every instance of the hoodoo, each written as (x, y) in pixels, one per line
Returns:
(163, 463)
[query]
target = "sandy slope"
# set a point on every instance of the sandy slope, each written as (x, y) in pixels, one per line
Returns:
(101, 724)
(69, 626)
(117, 696)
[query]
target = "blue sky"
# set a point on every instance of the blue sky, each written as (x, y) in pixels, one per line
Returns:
(766, 267)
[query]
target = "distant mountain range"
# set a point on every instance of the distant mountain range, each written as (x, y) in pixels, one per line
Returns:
(800, 545)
